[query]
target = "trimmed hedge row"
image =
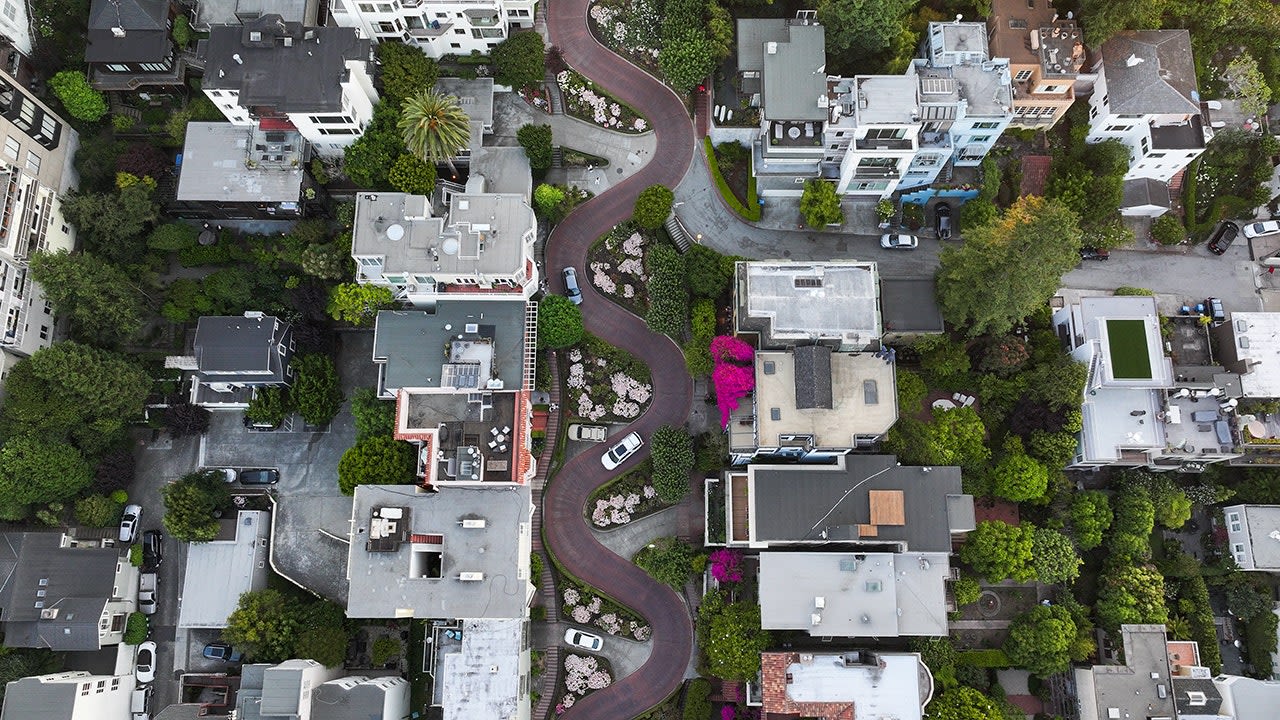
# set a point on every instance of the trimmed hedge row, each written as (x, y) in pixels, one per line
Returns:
(983, 658)
(752, 213)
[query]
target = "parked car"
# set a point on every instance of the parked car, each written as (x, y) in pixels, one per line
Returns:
(623, 450)
(262, 476)
(899, 241)
(221, 651)
(1266, 227)
(145, 663)
(1223, 237)
(1093, 253)
(588, 433)
(147, 593)
(1213, 308)
(571, 290)
(129, 522)
(585, 640)
(140, 702)
(942, 221)
(152, 550)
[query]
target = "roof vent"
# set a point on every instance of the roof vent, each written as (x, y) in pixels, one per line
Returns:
(471, 576)
(49, 613)
(117, 32)
(771, 48)
(473, 523)
(239, 60)
(1133, 61)
(471, 328)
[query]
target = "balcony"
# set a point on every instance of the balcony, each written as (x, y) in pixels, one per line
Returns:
(483, 18)
(884, 144)
(435, 29)
(880, 172)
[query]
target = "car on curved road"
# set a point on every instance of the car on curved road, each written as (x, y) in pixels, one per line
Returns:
(145, 663)
(899, 241)
(588, 433)
(585, 640)
(619, 453)
(571, 289)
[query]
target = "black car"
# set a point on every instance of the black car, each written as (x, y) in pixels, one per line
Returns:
(260, 477)
(942, 221)
(1213, 308)
(1093, 253)
(1223, 238)
(152, 553)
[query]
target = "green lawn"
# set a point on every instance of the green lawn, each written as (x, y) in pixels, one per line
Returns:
(1127, 341)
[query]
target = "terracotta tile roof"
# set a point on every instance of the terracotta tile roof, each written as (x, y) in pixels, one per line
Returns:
(1035, 173)
(773, 671)
(523, 439)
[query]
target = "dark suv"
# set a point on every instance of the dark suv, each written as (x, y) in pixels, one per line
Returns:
(1223, 238)
(152, 550)
(260, 477)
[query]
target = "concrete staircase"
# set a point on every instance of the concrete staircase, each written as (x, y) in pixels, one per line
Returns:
(557, 157)
(678, 234)
(550, 599)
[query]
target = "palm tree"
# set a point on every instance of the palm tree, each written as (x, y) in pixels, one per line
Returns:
(434, 127)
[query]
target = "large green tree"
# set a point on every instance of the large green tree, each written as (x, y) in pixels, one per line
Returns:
(963, 703)
(34, 470)
(1129, 594)
(374, 416)
(75, 392)
(191, 504)
(368, 160)
(536, 141)
(669, 560)
(520, 60)
(1040, 640)
(731, 637)
(378, 460)
(112, 224)
(998, 550)
(1055, 559)
(434, 127)
(1007, 269)
(559, 323)
(687, 58)
(263, 626)
(316, 392)
(820, 205)
(102, 303)
(1108, 17)
(673, 459)
(652, 207)
(359, 304)
(1090, 517)
(404, 70)
(862, 30)
(409, 174)
(1017, 476)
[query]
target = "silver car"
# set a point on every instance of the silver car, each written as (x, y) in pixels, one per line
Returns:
(899, 241)
(571, 289)
(129, 522)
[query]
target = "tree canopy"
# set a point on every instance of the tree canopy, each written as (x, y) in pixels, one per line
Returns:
(112, 224)
(359, 304)
(1017, 476)
(673, 459)
(520, 60)
(377, 460)
(820, 205)
(409, 174)
(434, 127)
(374, 416)
(653, 206)
(536, 141)
(190, 505)
(405, 70)
(669, 560)
(559, 322)
(1090, 517)
(998, 550)
(1055, 559)
(101, 302)
(368, 160)
(978, 287)
(963, 703)
(316, 392)
(78, 96)
(1129, 594)
(1040, 640)
(859, 31)
(731, 637)
(33, 470)
(272, 626)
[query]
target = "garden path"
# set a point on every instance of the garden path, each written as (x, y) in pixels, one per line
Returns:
(566, 531)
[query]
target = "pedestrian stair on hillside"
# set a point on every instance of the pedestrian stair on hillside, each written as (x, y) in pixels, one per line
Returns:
(678, 234)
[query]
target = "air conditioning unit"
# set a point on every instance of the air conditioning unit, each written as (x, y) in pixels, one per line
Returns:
(471, 576)
(473, 523)
(472, 328)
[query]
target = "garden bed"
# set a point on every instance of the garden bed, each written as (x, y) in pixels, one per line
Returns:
(730, 165)
(587, 607)
(617, 266)
(627, 499)
(610, 384)
(631, 28)
(583, 675)
(587, 101)
(537, 96)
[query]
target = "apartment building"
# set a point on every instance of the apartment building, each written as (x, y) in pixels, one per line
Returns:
(312, 79)
(1046, 55)
(437, 27)
(15, 26)
(1147, 98)
(36, 171)
(69, 695)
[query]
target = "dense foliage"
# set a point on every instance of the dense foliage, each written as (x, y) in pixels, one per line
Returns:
(672, 457)
(559, 323)
(652, 207)
(668, 299)
(520, 60)
(316, 392)
(378, 460)
(536, 141)
(190, 504)
(820, 205)
(78, 96)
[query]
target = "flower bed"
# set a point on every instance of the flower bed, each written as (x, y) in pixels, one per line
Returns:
(631, 28)
(588, 608)
(605, 383)
(583, 675)
(585, 100)
(628, 498)
(616, 262)
(536, 96)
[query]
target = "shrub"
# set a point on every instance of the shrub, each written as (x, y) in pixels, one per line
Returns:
(318, 171)
(135, 555)
(384, 649)
(410, 175)
(536, 141)
(668, 298)
(559, 322)
(652, 207)
(966, 591)
(78, 97)
(520, 60)
(1168, 230)
(547, 200)
(697, 700)
(373, 415)
(672, 457)
(377, 460)
(734, 375)
(268, 406)
(820, 205)
(97, 511)
(667, 560)
(316, 392)
(750, 212)
(181, 32)
(135, 628)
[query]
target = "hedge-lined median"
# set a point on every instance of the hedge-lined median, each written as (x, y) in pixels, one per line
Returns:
(752, 212)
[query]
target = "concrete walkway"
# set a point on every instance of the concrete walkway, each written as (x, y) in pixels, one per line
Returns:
(628, 539)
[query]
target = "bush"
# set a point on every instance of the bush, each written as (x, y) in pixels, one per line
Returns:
(673, 458)
(383, 650)
(697, 700)
(820, 205)
(135, 628)
(97, 511)
(668, 298)
(135, 555)
(181, 32)
(78, 97)
(172, 236)
(520, 60)
(374, 416)
(559, 323)
(316, 392)
(410, 175)
(966, 591)
(653, 206)
(1168, 230)
(536, 141)
(547, 200)
(269, 406)
(378, 460)
(667, 560)
(749, 212)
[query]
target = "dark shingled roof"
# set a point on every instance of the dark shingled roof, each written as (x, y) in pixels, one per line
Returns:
(1182, 689)
(1150, 72)
(77, 582)
(813, 377)
(908, 305)
(229, 345)
(1140, 192)
(146, 31)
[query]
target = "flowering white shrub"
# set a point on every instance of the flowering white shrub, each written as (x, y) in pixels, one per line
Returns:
(582, 673)
(649, 492)
(642, 633)
(634, 245)
(640, 124)
(628, 291)
(575, 355)
(600, 278)
(594, 605)
(576, 377)
(571, 596)
(581, 615)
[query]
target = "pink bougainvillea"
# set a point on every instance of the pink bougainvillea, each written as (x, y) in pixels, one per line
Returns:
(734, 375)
(728, 713)
(726, 565)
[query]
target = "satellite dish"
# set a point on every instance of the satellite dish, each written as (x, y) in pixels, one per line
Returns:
(450, 246)
(395, 232)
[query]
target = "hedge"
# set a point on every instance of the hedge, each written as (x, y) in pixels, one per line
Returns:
(983, 658)
(135, 628)
(752, 213)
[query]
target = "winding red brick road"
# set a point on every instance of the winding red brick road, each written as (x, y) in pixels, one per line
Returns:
(567, 534)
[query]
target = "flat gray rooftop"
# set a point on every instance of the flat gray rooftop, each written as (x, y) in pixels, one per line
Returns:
(753, 33)
(474, 96)
(501, 170)
(810, 301)
(481, 679)
(471, 345)
(1261, 521)
(862, 595)
(1130, 689)
(795, 76)
(886, 99)
(218, 572)
(215, 164)
(422, 577)
(909, 305)
(233, 12)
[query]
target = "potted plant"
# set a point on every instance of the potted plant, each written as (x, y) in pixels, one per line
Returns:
(884, 211)
(913, 215)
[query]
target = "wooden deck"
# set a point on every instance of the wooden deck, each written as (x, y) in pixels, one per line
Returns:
(740, 504)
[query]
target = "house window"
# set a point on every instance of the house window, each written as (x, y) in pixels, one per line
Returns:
(386, 27)
(1022, 76)
(455, 46)
(117, 622)
(442, 16)
(1051, 88)
(1049, 112)
(1238, 548)
(11, 149)
(459, 31)
(394, 279)
(886, 133)
(10, 10)
(986, 125)
(44, 332)
(370, 261)
(367, 7)
(980, 138)
(155, 67)
(117, 67)
(1234, 520)
(33, 162)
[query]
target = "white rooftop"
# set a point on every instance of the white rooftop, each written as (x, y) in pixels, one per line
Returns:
(810, 301)
(890, 691)
(1259, 352)
(887, 99)
(481, 679)
(218, 572)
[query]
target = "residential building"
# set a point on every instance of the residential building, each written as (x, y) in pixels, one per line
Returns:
(1253, 536)
(128, 45)
(1146, 98)
(219, 571)
(468, 409)
(475, 97)
(480, 247)
(14, 25)
(1046, 53)
(854, 595)
(62, 594)
(844, 686)
(1247, 346)
(207, 13)
(1156, 679)
(870, 503)
(481, 667)
(315, 79)
(785, 304)
(285, 691)
(437, 27)
(232, 171)
(362, 698)
(1145, 197)
(69, 695)
(1246, 698)
(463, 553)
(234, 355)
(36, 172)
(1134, 412)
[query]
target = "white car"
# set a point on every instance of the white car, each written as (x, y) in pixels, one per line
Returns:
(584, 640)
(1266, 227)
(898, 241)
(145, 664)
(588, 433)
(129, 522)
(623, 450)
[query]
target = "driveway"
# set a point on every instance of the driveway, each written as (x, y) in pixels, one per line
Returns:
(311, 514)
(567, 534)
(1188, 277)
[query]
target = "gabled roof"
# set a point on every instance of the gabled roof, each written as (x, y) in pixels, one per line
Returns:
(232, 346)
(38, 575)
(145, 26)
(1144, 192)
(1150, 72)
(813, 377)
